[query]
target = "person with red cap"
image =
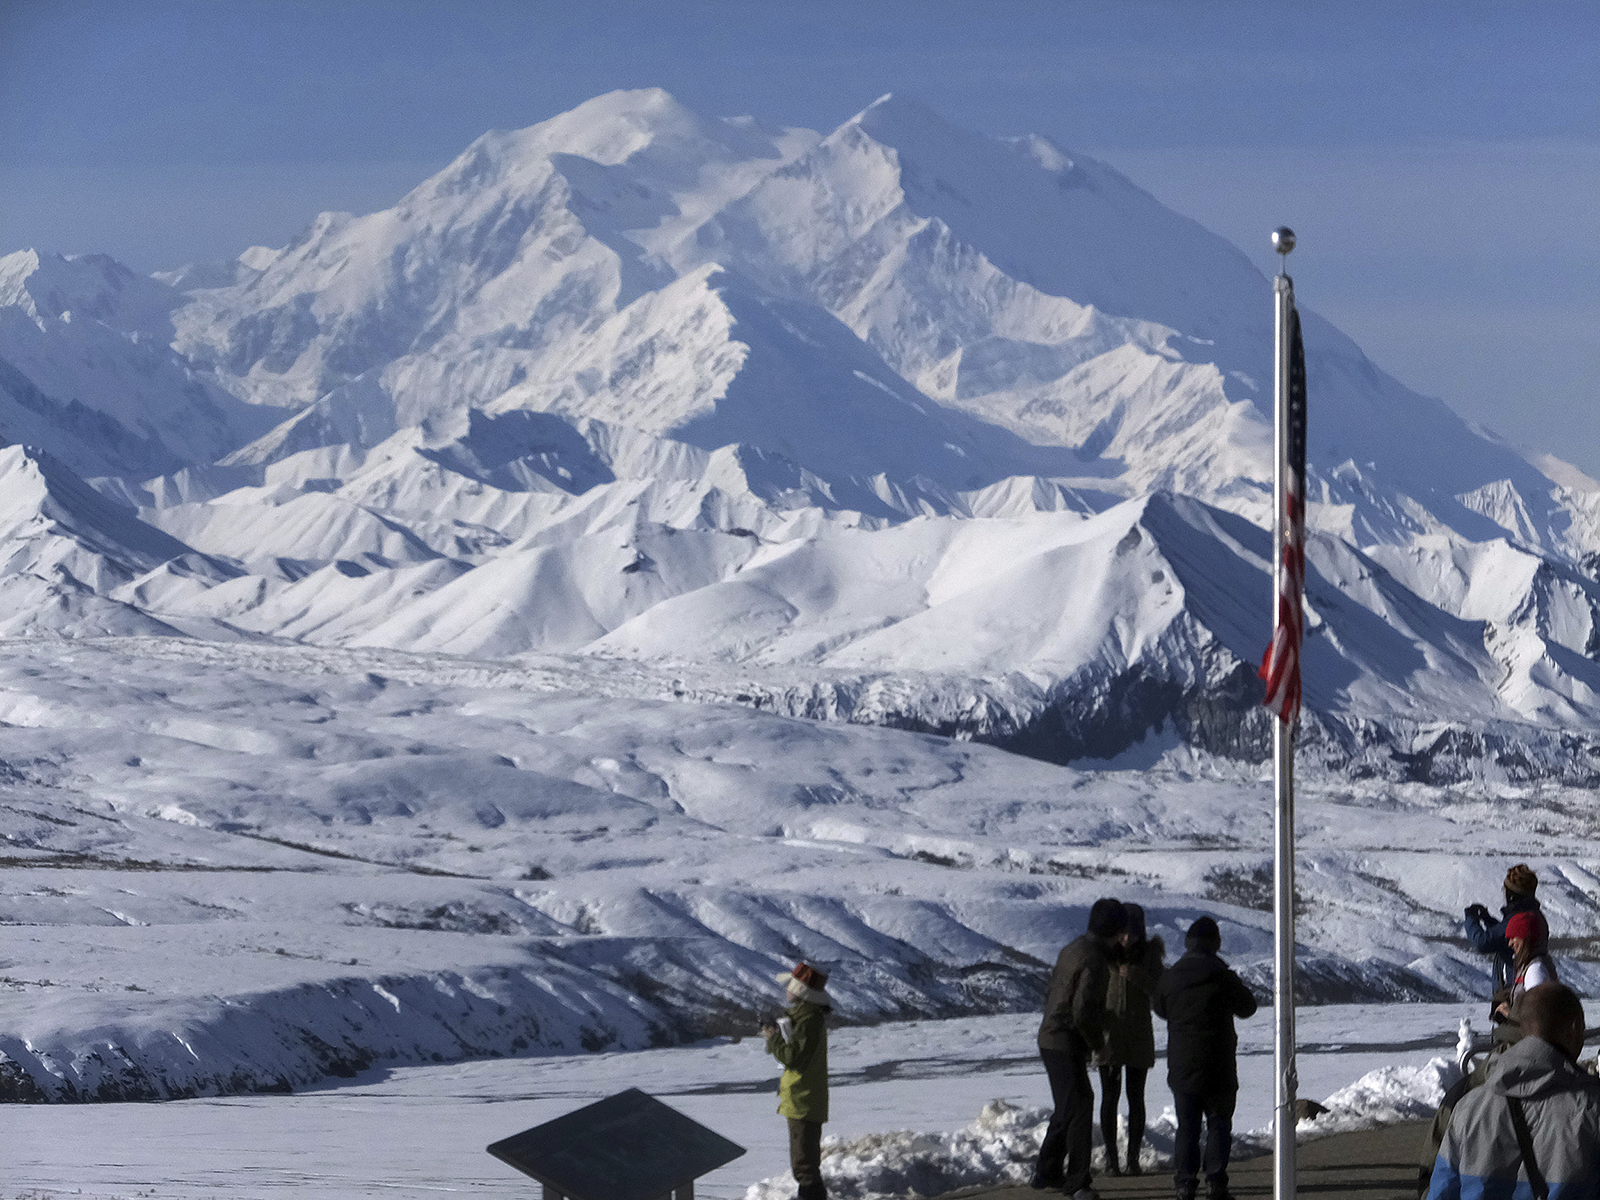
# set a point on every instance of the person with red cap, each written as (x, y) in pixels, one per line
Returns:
(1526, 936)
(799, 1040)
(1531, 964)
(1488, 936)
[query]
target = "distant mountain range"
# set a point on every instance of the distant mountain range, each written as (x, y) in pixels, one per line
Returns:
(899, 425)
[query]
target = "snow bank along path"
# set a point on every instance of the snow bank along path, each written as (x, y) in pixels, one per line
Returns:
(1002, 1144)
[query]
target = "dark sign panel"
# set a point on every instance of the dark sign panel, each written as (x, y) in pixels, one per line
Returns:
(626, 1147)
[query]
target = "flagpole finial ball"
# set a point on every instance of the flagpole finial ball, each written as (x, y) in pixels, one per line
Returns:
(1283, 239)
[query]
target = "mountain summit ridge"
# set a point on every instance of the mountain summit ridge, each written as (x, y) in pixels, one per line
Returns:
(591, 386)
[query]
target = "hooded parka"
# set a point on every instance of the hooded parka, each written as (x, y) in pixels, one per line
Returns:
(1479, 1158)
(803, 1087)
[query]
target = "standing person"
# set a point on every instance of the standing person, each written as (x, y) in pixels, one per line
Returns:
(1073, 1029)
(1534, 1127)
(1130, 1041)
(1198, 997)
(799, 1041)
(1488, 936)
(1531, 966)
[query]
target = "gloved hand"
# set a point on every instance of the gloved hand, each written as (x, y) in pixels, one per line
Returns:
(1478, 913)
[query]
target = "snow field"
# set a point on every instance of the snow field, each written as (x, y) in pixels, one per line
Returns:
(411, 1132)
(252, 868)
(416, 680)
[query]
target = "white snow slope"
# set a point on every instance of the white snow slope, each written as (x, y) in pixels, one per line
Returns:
(248, 867)
(520, 619)
(913, 426)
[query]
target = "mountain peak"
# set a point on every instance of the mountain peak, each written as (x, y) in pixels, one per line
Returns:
(892, 115)
(646, 129)
(88, 286)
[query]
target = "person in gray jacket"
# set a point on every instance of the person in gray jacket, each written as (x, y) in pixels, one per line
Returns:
(1533, 1130)
(1072, 1031)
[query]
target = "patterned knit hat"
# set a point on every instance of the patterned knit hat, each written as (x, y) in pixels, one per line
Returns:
(1521, 881)
(806, 974)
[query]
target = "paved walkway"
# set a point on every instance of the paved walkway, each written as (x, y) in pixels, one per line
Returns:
(1375, 1164)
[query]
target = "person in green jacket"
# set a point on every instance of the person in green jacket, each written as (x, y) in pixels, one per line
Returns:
(799, 1040)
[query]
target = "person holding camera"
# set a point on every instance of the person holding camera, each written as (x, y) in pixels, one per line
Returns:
(799, 1040)
(1488, 936)
(1518, 942)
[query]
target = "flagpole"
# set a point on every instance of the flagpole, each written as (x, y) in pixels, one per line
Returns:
(1283, 1057)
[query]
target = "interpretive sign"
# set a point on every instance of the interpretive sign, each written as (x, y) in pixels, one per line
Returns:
(626, 1147)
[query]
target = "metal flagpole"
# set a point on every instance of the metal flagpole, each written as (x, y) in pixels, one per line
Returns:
(1283, 1055)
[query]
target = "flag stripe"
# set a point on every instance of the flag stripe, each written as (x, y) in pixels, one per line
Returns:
(1280, 665)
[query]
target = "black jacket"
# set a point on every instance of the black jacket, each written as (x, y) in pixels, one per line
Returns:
(1489, 937)
(1075, 1007)
(1198, 997)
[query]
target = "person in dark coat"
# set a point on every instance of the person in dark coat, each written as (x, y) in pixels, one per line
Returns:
(1130, 1041)
(1072, 1031)
(1488, 936)
(1198, 997)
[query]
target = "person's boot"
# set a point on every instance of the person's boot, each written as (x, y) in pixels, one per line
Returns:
(1133, 1162)
(1045, 1181)
(1217, 1189)
(1186, 1191)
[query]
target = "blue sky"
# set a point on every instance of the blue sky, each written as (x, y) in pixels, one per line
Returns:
(1441, 162)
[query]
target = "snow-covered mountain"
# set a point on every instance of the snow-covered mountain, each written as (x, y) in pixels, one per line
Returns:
(901, 424)
(520, 620)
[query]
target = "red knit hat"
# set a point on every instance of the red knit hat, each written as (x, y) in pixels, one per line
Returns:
(1524, 925)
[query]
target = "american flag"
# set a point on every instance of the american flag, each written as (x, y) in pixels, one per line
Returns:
(1280, 665)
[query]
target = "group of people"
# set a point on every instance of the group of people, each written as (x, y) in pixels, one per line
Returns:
(1103, 991)
(1105, 986)
(1526, 1120)
(1526, 1108)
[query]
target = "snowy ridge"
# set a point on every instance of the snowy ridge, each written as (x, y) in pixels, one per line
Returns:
(397, 858)
(87, 370)
(621, 383)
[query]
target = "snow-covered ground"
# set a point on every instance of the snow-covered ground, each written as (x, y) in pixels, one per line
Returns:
(252, 868)
(513, 625)
(414, 1132)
